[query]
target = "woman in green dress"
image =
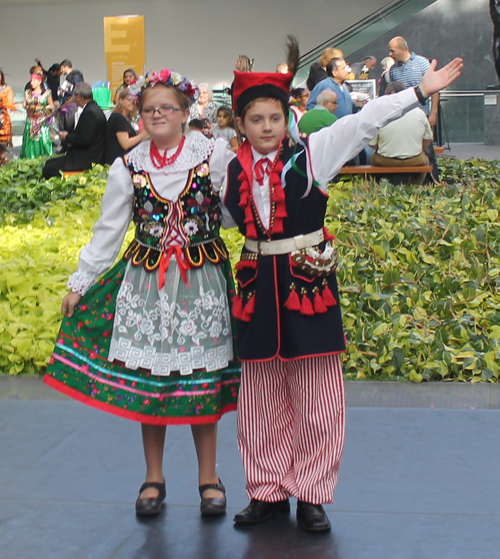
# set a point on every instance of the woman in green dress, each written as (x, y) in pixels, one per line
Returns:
(39, 106)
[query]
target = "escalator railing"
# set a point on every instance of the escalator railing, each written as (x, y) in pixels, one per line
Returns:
(365, 31)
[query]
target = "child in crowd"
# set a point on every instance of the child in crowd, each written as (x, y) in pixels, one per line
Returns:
(152, 339)
(198, 125)
(291, 403)
(225, 127)
(300, 97)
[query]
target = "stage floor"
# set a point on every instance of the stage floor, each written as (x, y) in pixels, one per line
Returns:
(419, 480)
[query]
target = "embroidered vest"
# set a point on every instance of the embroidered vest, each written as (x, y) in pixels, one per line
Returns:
(281, 310)
(303, 215)
(192, 222)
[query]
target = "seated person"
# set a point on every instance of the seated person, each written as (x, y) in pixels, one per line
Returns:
(321, 114)
(86, 142)
(401, 143)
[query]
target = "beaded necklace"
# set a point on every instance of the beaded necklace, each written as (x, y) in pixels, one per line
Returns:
(160, 161)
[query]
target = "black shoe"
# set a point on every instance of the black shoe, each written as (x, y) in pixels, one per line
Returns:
(213, 506)
(150, 506)
(312, 518)
(260, 511)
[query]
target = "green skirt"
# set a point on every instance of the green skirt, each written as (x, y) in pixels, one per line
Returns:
(79, 368)
(36, 147)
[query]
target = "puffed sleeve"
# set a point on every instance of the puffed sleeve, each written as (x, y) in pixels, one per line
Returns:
(220, 159)
(332, 146)
(116, 211)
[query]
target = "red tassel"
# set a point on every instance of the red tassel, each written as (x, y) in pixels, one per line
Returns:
(327, 235)
(251, 231)
(319, 304)
(248, 215)
(246, 315)
(280, 211)
(243, 199)
(279, 193)
(242, 264)
(277, 226)
(306, 307)
(237, 306)
(328, 297)
(293, 301)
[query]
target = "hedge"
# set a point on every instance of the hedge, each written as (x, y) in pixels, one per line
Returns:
(419, 269)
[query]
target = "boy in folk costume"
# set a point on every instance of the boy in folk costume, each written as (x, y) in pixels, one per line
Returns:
(290, 337)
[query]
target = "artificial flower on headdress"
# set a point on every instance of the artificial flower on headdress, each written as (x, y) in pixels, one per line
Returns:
(166, 77)
(136, 86)
(164, 74)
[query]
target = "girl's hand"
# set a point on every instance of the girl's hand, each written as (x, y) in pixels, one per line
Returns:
(70, 302)
(433, 81)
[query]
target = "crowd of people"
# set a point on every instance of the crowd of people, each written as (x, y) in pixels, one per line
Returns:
(153, 340)
(52, 109)
(54, 106)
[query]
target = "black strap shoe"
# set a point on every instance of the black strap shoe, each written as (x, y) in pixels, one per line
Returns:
(213, 506)
(260, 511)
(312, 518)
(150, 506)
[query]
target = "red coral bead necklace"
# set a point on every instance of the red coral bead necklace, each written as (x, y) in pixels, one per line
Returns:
(159, 160)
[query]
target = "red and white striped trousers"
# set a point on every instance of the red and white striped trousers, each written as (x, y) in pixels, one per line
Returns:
(291, 418)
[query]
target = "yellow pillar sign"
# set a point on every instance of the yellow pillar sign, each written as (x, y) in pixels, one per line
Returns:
(124, 46)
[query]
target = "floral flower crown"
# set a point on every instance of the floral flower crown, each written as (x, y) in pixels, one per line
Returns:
(166, 77)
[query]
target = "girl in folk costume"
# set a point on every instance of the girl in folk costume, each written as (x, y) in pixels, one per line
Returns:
(291, 403)
(152, 339)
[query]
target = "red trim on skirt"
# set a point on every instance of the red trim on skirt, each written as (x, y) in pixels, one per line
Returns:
(134, 416)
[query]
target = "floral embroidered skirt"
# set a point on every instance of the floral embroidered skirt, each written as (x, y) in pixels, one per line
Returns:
(79, 368)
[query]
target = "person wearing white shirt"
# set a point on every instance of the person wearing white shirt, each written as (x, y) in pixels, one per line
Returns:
(402, 143)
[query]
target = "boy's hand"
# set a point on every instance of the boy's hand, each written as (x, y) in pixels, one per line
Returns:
(433, 81)
(70, 302)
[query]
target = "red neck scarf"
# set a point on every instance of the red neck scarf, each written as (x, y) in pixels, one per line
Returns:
(277, 195)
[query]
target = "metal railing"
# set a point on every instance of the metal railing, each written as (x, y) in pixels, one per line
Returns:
(463, 115)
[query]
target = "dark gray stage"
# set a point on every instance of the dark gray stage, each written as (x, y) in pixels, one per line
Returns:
(419, 480)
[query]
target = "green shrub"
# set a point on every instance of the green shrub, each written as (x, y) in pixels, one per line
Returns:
(419, 269)
(419, 272)
(25, 192)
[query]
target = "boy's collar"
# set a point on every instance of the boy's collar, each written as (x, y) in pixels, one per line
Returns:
(257, 155)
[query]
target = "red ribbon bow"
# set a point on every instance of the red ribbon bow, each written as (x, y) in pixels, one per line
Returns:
(165, 262)
(262, 168)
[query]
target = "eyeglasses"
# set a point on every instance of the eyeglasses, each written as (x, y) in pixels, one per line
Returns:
(332, 102)
(166, 110)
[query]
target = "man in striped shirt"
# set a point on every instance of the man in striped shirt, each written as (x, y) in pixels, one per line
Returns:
(409, 68)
